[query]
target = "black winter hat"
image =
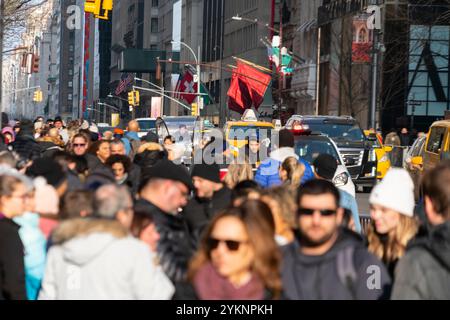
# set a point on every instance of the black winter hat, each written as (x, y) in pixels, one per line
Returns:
(166, 169)
(286, 138)
(48, 168)
(150, 137)
(209, 172)
(325, 166)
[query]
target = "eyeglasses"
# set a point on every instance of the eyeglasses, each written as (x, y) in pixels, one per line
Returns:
(310, 212)
(232, 245)
(79, 145)
(23, 196)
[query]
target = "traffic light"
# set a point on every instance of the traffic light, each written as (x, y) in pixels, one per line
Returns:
(96, 6)
(194, 109)
(38, 96)
(35, 66)
(137, 98)
(131, 100)
(93, 6)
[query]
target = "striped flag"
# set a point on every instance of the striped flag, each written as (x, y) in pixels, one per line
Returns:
(125, 81)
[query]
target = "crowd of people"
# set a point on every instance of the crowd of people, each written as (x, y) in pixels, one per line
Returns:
(85, 215)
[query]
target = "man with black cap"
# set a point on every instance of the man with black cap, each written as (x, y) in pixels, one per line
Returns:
(164, 190)
(267, 174)
(211, 196)
(325, 167)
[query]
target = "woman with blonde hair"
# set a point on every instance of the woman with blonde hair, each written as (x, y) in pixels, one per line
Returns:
(291, 172)
(393, 222)
(281, 201)
(238, 172)
(238, 259)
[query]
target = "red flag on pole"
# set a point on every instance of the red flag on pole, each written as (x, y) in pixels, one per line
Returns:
(247, 88)
(187, 87)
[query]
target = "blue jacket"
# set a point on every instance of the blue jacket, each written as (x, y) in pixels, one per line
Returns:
(126, 140)
(349, 202)
(267, 174)
(34, 244)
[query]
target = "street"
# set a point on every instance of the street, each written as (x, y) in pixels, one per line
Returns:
(363, 203)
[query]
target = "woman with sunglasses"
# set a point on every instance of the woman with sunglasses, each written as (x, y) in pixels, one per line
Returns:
(14, 191)
(238, 259)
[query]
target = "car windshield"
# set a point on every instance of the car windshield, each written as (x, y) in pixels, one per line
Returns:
(339, 132)
(309, 149)
(147, 125)
(243, 132)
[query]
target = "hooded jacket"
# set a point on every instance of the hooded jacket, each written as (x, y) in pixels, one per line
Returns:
(96, 259)
(424, 271)
(318, 277)
(267, 174)
(26, 147)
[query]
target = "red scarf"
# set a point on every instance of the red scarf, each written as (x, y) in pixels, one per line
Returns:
(209, 285)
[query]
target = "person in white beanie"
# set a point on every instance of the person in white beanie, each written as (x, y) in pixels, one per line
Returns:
(393, 222)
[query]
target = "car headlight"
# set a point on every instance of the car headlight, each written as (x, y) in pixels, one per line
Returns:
(372, 155)
(341, 179)
(384, 158)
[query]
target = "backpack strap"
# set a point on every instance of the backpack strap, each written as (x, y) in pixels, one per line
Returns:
(346, 269)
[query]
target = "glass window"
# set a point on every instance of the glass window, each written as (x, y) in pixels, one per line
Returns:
(436, 137)
(339, 132)
(155, 3)
(154, 25)
(309, 150)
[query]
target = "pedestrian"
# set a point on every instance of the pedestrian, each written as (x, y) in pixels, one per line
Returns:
(247, 189)
(291, 172)
(120, 165)
(392, 211)
(143, 227)
(101, 150)
(59, 124)
(165, 189)
(238, 172)
(211, 196)
(327, 261)
(14, 191)
(24, 144)
(424, 272)
(76, 204)
(237, 260)
(134, 174)
(281, 201)
(405, 138)
(267, 174)
(325, 167)
(103, 259)
(131, 139)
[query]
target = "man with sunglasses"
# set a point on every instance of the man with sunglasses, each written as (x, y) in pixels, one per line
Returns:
(326, 261)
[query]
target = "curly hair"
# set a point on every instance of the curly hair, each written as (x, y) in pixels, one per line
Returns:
(267, 261)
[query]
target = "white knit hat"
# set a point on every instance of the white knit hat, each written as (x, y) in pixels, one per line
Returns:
(395, 192)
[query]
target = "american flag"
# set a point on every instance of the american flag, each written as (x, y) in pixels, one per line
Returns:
(125, 81)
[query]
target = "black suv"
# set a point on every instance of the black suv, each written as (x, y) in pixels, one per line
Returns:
(356, 150)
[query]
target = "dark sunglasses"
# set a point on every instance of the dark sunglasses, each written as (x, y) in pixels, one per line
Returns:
(310, 212)
(232, 245)
(79, 145)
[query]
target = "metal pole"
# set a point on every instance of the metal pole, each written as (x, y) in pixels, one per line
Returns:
(162, 94)
(319, 35)
(2, 9)
(373, 100)
(199, 82)
(280, 71)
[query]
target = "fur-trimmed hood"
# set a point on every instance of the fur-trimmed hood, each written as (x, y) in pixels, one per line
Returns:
(80, 227)
(83, 240)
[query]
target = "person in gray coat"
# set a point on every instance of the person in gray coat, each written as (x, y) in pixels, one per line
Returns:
(98, 259)
(424, 272)
(326, 261)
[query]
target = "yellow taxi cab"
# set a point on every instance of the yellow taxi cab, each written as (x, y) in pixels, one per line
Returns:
(237, 132)
(437, 146)
(384, 163)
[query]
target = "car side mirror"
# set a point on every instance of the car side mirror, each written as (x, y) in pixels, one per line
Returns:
(349, 161)
(417, 161)
(388, 148)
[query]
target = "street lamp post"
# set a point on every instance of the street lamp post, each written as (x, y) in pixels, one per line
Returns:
(158, 87)
(197, 61)
(104, 109)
